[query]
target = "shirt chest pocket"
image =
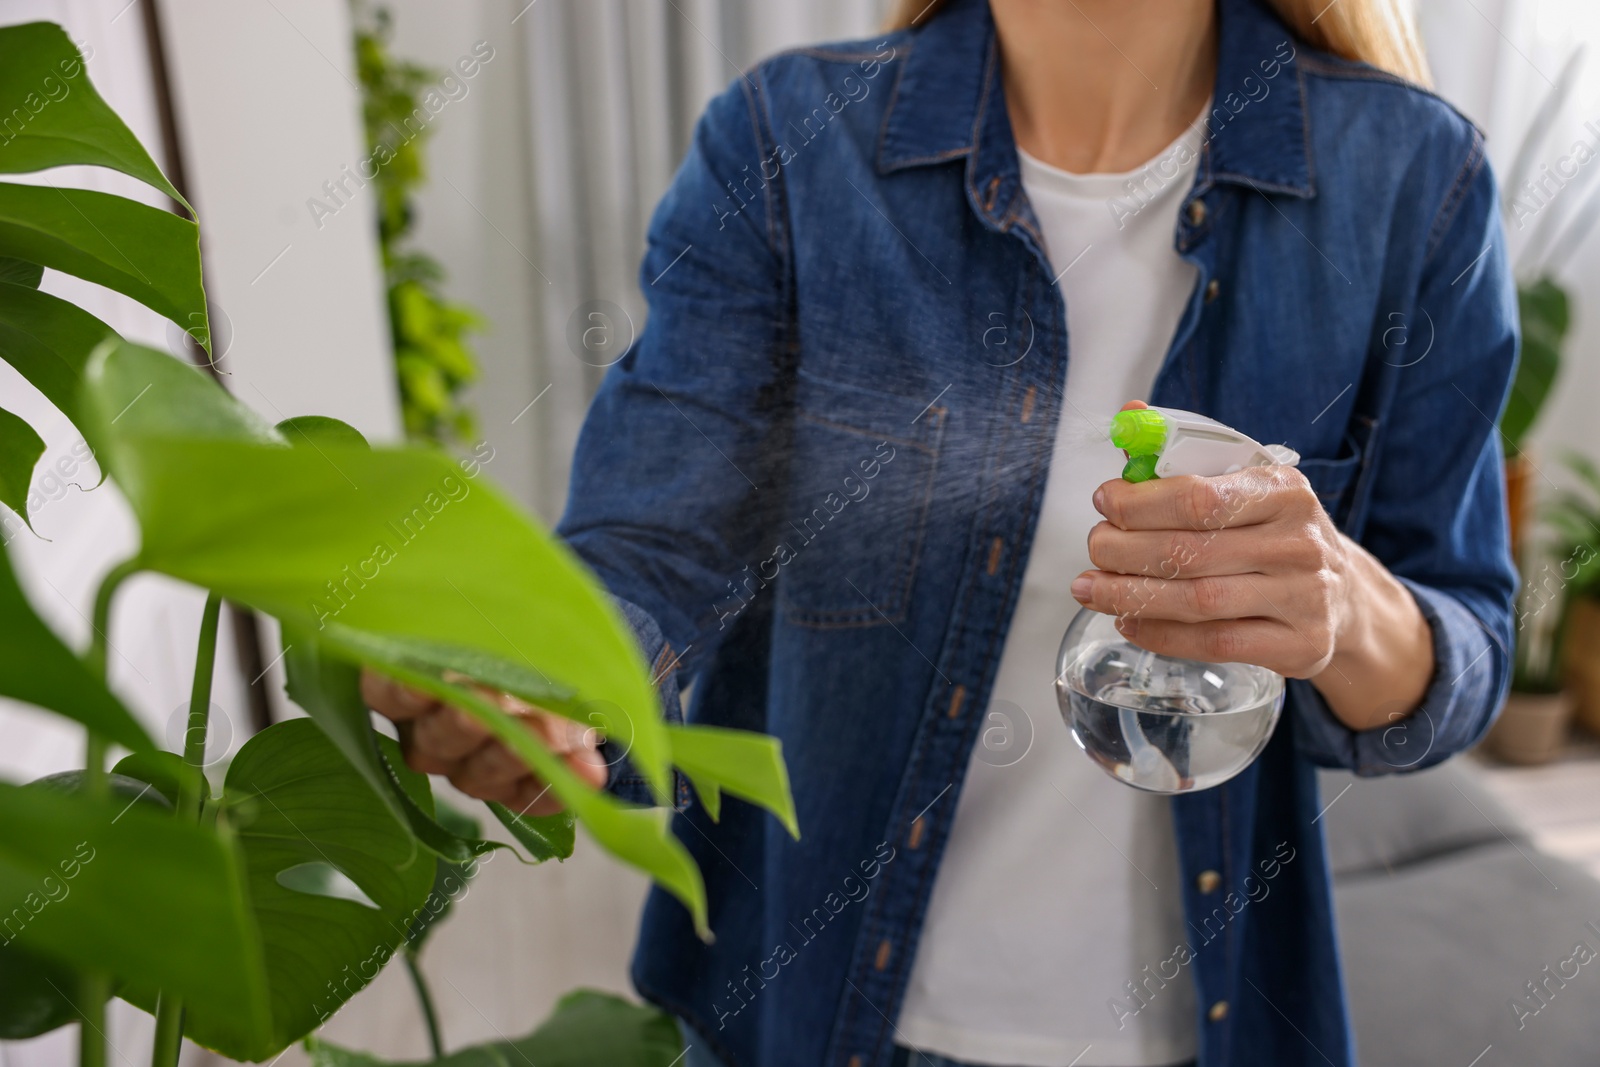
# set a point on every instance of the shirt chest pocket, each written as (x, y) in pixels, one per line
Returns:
(1340, 482)
(861, 487)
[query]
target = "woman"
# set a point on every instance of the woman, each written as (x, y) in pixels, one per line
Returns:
(852, 481)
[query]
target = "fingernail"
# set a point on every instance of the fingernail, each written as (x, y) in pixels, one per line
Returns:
(1100, 500)
(1127, 625)
(1082, 586)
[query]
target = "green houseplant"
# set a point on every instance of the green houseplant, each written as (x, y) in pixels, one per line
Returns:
(1575, 516)
(1532, 726)
(432, 362)
(245, 915)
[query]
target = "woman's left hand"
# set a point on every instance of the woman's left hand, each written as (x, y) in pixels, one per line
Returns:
(1248, 568)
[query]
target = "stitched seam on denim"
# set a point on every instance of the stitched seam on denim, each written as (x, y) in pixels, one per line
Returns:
(929, 867)
(977, 125)
(984, 669)
(894, 99)
(816, 52)
(939, 834)
(748, 87)
(847, 428)
(920, 537)
(1372, 74)
(941, 157)
(941, 828)
(871, 923)
(1014, 217)
(1256, 183)
(1228, 952)
(1305, 130)
(781, 208)
(1455, 197)
(897, 609)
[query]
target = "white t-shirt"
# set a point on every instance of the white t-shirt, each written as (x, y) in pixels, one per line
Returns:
(1060, 885)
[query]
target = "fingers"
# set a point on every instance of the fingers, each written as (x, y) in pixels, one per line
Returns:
(494, 772)
(1244, 498)
(449, 733)
(490, 772)
(1191, 553)
(1190, 600)
(439, 739)
(392, 699)
(1269, 643)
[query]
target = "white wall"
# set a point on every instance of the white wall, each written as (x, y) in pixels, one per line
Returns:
(269, 110)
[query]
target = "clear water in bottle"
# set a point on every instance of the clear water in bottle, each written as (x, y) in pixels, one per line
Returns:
(1156, 723)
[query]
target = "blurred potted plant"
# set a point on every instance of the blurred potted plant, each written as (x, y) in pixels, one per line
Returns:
(1576, 516)
(433, 362)
(1533, 724)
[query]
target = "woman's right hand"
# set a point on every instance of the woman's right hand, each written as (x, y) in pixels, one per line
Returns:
(440, 739)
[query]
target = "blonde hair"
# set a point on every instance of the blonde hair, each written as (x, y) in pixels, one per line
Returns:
(1379, 32)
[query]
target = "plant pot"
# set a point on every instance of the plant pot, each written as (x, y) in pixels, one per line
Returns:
(1532, 728)
(1580, 656)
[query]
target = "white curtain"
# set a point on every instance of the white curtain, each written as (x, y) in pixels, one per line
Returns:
(1498, 60)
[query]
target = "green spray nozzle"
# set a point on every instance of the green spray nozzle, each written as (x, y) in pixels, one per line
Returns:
(1139, 432)
(1140, 469)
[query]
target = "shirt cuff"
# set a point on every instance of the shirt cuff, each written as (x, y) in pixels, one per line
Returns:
(1470, 676)
(622, 779)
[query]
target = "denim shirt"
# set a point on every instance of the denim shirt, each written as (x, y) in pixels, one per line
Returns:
(813, 483)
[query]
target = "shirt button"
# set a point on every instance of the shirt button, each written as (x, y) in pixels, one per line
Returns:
(1208, 881)
(1197, 212)
(1218, 1012)
(1213, 288)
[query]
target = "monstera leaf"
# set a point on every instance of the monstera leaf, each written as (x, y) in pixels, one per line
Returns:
(20, 449)
(319, 536)
(48, 341)
(387, 554)
(36, 994)
(587, 1029)
(331, 879)
(394, 559)
(114, 885)
(749, 766)
(35, 667)
(546, 837)
(62, 119)
(137, 250)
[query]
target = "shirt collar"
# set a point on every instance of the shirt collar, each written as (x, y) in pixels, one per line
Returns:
(948, 103)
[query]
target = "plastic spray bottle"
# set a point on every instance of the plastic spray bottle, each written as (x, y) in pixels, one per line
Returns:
(1154, 722)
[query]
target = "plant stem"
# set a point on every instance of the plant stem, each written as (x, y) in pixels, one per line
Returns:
(194, 738)
(425, 998)
(169, 1031)
(169, 1008)
(94, 988)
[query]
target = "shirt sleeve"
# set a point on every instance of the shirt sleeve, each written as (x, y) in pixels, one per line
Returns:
(679, 467)
(1437, 515)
